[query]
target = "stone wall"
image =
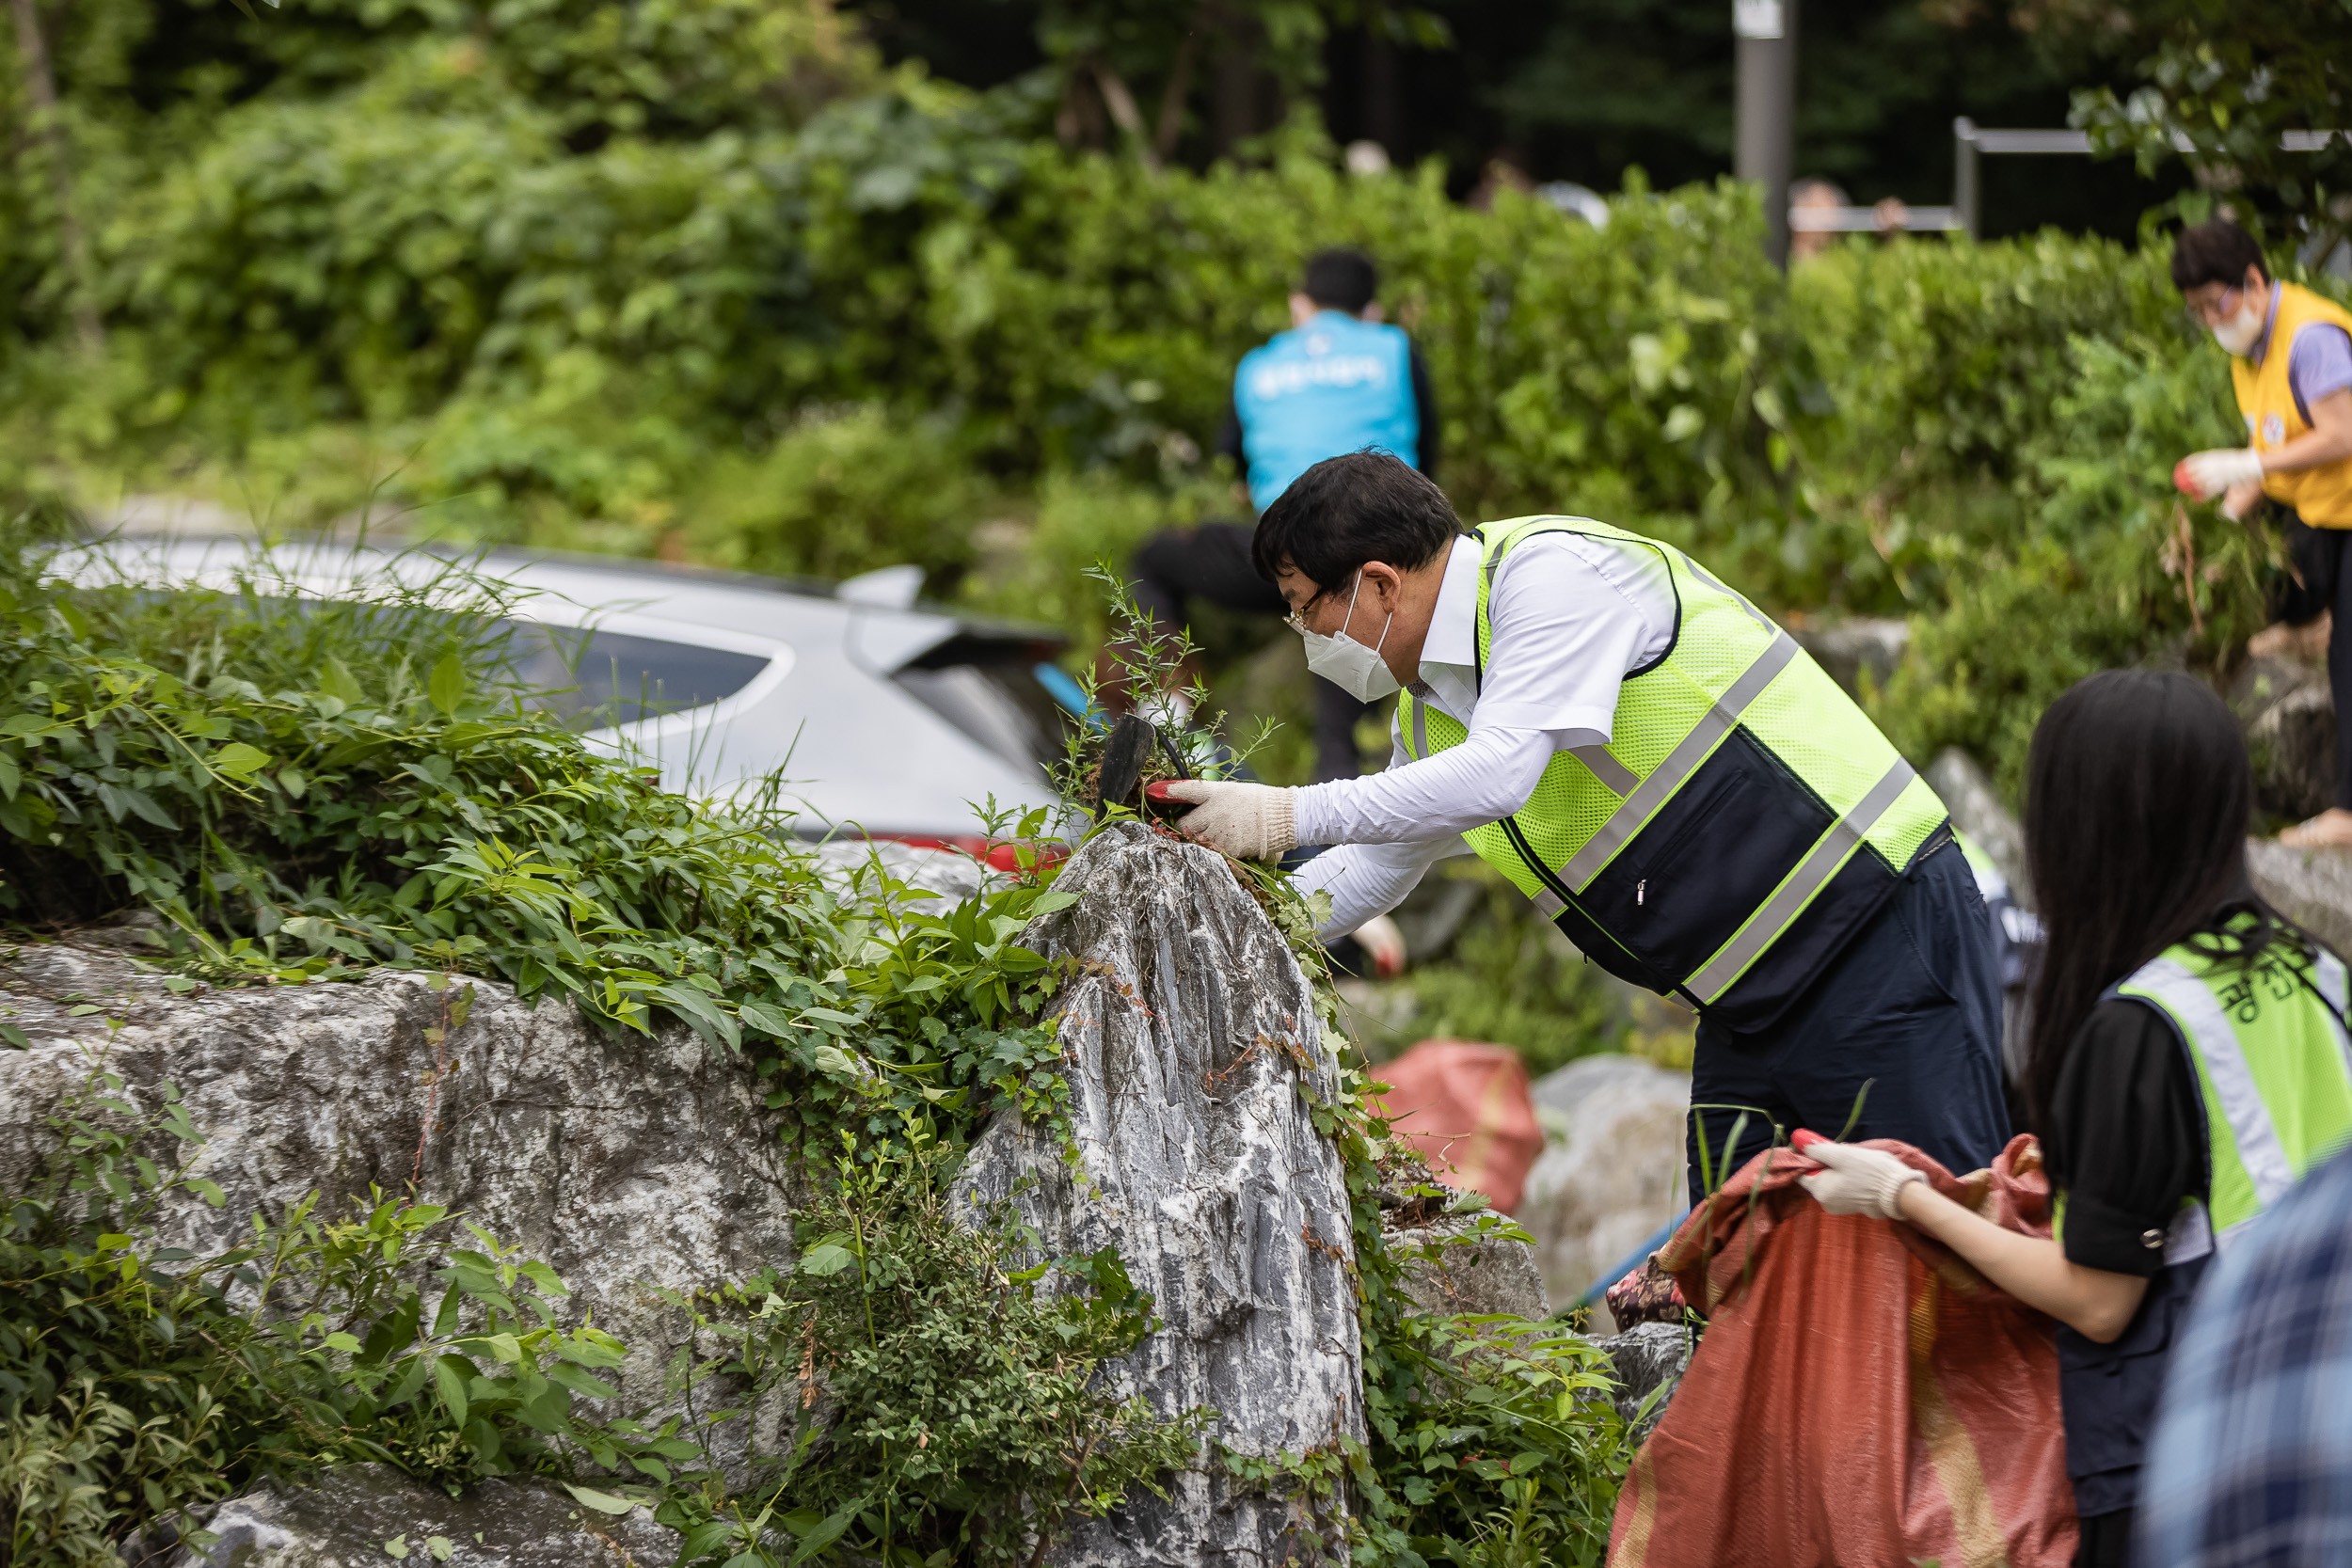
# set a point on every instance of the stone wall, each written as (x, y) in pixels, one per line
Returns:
(620, 1160)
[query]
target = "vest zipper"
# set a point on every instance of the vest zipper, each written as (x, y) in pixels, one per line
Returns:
(1510, 826)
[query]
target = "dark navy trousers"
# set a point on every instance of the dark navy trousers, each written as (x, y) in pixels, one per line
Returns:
(1912, 1007)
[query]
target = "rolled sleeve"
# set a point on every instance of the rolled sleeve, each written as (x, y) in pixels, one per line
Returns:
(2126, 1139)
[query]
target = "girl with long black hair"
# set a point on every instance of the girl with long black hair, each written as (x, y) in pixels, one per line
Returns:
(2188, 1059)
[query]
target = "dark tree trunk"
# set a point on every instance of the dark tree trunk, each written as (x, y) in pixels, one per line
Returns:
(41, 87)
(1383, 109)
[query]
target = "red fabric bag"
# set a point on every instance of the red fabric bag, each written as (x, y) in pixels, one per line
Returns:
(1466, 1108)
(1861, 1398)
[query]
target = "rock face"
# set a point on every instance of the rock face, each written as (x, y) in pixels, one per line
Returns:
(354, 1515)
(1978, 812)
(1613, 1172)
(1848, 651)
(2311, 887)
(618, 1160)
(1647, 1356)
(2290, 723)
(1489, 1276)
(1189, 1036)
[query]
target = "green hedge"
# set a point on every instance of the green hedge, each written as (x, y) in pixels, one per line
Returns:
(903, 329)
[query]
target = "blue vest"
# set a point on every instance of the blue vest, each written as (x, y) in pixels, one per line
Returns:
(1336, 385)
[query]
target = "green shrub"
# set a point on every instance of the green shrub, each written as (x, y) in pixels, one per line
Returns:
(976, 1423)
(840, 493)
(305, 788)
(2101, 563)
(137, 1381)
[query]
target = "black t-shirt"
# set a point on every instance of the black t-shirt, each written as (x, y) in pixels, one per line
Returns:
(2126, 1139)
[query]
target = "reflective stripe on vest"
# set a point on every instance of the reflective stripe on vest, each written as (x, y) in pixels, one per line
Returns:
(1683, 760)
(1741, 789)
(2329, 978)
(2273, 1063)
(2193, 1006)
(1811, 875)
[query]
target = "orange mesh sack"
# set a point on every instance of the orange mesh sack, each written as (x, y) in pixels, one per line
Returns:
(1862, 1398)
(1466, 1108)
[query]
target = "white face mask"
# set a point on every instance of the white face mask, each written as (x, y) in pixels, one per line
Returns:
(2242, 331)
(1346, 663)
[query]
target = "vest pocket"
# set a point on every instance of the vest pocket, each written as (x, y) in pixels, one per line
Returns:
(1709, 859)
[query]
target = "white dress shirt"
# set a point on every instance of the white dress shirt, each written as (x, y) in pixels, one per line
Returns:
(1571, 616)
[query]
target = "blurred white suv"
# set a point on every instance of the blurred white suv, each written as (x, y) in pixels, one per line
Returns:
(887, 717)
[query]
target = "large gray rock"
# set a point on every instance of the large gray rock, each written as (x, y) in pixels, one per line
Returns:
(2311, 887)
(1192, 1045)
(2290, 720)
(373, 1517)
(622, 1160)
(1646, 1357)
(1867, 647)
(1447, 1272)
(1977, 811)
(1612, 1172)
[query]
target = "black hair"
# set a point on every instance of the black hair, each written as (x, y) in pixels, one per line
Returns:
(2215, 252)
(1341, 279)
(2139, 796)
(1348, 510)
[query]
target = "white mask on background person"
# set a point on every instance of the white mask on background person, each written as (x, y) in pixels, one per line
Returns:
(1348, 664)
(2242, 331)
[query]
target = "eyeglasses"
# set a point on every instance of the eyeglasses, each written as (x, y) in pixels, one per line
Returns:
(1297, 618)
(2224, 306)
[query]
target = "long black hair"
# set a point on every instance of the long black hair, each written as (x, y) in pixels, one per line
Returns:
(2139, 796)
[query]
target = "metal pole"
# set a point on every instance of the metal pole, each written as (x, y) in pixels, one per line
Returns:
(1966, 201)
(1766, 33)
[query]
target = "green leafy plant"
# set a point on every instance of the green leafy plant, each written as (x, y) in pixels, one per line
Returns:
(138, 1381)
(952, 1397)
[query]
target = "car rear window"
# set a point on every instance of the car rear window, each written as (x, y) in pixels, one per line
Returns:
(596, 679)
(987, 688)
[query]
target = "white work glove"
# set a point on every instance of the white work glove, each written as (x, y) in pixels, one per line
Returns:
(1247, 821)
(2203, 475)
(1383, 942)
(1859, 1181)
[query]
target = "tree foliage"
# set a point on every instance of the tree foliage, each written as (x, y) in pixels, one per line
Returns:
(2232, 82)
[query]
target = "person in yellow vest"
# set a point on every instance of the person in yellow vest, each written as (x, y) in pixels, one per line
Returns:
(1666, 775)
(2291, 361)
(2188, 1062)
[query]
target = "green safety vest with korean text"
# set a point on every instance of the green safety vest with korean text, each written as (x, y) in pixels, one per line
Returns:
(1745, 819)
(2273, 1066)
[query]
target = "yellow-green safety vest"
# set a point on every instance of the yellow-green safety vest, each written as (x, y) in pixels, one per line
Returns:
(1745, 820)
(2274, 1068)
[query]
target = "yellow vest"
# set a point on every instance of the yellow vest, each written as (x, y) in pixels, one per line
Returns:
(2322, 496)
(1745, 821)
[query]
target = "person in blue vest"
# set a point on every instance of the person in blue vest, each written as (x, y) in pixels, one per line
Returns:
(1339, 381)
(2189, 1063)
